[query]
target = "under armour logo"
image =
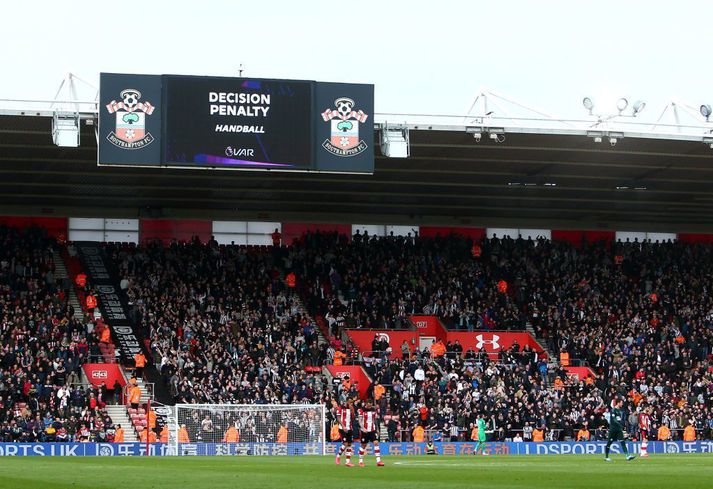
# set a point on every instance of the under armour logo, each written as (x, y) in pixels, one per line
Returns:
(482, 341)
(383, 336)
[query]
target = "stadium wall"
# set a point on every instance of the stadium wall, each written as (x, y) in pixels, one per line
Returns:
(55, 226)
(183, 230)
(166, 230)
(355, 373)
(387, 449)
(292, 231)
(429, 326)
(433, 231)
(492, 342)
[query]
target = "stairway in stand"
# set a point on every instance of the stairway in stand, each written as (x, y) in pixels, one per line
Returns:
(543, 343)
(119, 415)
(60, 273)
(303, 310)
(145, 395)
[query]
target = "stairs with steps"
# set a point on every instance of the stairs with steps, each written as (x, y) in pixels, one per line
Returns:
(144, 392)
(119, 415)
(551, 358)
(303, 310)
(61, 273)
(330, 378)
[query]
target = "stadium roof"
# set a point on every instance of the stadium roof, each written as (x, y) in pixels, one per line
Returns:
(549, 174)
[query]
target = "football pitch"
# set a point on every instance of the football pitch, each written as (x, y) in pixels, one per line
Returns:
(542, 471)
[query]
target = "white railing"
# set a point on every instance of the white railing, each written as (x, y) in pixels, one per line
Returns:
(593, 126)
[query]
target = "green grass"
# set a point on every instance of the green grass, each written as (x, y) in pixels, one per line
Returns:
(413, 472)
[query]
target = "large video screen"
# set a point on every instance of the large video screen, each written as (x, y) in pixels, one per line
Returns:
(237, 122)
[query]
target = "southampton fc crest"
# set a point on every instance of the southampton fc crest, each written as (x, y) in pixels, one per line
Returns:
(130, 131)
(344, 139)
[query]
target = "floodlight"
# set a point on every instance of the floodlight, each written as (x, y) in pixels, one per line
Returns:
(477, 132)
(622, 104)
(706, 111)
(595, 135)
(639, 105)
(614, 137)
(497, 134)
(395, 142)
(588, 103)
(65, 129)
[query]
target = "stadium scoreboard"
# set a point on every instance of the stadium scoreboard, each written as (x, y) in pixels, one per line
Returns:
(241, 123)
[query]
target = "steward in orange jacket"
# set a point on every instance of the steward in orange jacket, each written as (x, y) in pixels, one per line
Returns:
(119, 434)
(232, 435)
(183, 435)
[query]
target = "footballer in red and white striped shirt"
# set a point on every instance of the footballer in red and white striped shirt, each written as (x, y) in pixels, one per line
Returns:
(645, 429)
(368, 426)
(344, 415)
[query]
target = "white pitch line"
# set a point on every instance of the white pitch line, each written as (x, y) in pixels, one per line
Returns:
(435, 464)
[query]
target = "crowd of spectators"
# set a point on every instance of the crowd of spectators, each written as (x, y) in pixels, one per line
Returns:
(246, 426)
(370, 282)
(519, 395)
(639, 314)
(222, 324)
(42, 348)
(225, 328)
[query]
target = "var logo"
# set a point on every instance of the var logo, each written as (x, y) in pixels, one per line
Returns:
(493, 342)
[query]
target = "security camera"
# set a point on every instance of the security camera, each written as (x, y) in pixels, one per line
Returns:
(477, 136)
(613, 141)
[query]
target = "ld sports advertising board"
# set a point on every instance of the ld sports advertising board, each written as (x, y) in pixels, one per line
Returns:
(240, 123)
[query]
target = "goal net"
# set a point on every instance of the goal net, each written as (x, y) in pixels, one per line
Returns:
(247, 429)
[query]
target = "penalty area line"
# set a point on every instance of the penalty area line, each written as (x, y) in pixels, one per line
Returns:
(435, 464)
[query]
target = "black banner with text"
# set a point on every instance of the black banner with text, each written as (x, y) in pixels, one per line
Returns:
(112, 301)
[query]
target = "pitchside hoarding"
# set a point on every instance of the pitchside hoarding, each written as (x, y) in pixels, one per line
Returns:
(388, 449)
(240, 123)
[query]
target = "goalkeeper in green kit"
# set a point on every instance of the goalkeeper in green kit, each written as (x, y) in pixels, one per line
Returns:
(482, 437)
(616, 417)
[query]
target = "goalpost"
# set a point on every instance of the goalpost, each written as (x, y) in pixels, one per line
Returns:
(247, 429)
